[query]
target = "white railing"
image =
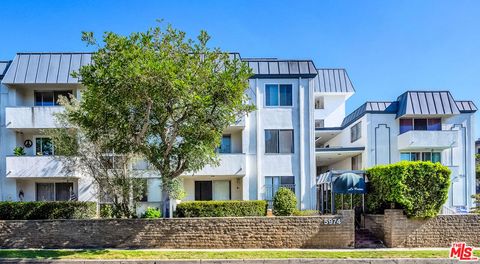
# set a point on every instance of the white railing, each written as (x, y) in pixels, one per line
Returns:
(32, 117)
(35, 167)
(420, 139)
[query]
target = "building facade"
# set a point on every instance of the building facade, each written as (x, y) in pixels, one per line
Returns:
(299, 130)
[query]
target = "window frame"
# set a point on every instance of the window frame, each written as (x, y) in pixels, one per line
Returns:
(420, 155)
(220, 148)
(322, 104)
(428, 124)
(35, 145)
(279, 100)
(55, 93)
(278, 141)
(356, 132)
(54, 184)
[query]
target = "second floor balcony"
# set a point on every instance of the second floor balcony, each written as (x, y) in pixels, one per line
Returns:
(28, 117)
(230, 164)
(35, 167)
(427, 139)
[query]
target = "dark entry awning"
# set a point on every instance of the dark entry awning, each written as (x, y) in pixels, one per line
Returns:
(349, 183)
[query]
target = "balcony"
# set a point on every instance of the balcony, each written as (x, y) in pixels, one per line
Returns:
(35, 167)
(31, 117)
(230, 164)
(238, 125)
(422, 139)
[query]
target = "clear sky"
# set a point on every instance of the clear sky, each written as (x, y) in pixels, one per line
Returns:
(387, 47)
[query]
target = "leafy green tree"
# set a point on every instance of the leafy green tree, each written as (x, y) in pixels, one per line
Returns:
(161, 95)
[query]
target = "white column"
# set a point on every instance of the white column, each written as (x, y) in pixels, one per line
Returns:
(258, 133)
(301, 111)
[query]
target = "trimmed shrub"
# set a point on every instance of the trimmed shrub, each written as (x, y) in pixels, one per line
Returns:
(418, 187)
(106, 211)
(284, 202)
(305, 213)
(152, 213)
(47, 210)
(221, 208)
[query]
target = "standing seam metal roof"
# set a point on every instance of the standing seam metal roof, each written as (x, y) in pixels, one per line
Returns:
(427, 103)
(414, 103)
(333, 81)
(274, 68)
(46, 68)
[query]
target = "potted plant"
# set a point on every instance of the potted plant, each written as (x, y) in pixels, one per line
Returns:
(18, 151)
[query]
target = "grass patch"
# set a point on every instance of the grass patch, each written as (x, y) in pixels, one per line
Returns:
(192, 254)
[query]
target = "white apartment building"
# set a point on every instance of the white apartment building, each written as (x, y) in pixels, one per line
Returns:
(299, 130)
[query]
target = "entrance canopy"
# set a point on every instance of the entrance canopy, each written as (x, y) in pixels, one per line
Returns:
(339, 182)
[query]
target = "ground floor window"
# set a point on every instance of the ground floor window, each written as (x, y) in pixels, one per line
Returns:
(59, 191)
(425, 156)
(213, 190)
(357, 162)
(273, 183)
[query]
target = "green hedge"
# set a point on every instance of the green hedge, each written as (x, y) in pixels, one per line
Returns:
(47, 210)
(418, 187)
(221, 208)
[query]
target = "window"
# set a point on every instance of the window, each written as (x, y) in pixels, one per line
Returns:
(357, 162)
(49, 98)
(420, 124)
(278, 141)
(278, 95)
(356, 132)
(319, 123)
(212, 190)
(319, 102)
(203, 190)
(424, 156)
(43, 146)
(406, 125)
(226, 145)
(273, 183)
(60, 191)
(430, 124)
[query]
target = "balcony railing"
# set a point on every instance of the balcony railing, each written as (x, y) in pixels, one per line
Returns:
(32, 117)
(424, 139)
(36, 167)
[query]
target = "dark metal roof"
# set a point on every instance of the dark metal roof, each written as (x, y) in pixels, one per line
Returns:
(370, 107)
(466, 106)
(426, 103)
(45, 68)
(333, 81)
(4, 67)
(275, 68)
(414, 103)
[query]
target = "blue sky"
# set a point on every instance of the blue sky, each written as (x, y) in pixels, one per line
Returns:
(386, 46)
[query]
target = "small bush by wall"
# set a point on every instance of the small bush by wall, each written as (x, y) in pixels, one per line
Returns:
(418, 187)
(47, 210)
(221, 208)
(152, 213)
(284, 202)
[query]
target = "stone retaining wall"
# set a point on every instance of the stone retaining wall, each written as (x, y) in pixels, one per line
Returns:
(440, 231)
(245, 232)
